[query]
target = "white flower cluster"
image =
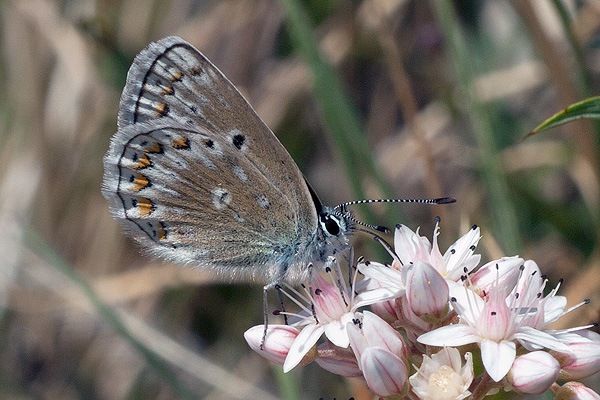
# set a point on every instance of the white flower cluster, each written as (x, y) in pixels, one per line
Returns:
(428, 312)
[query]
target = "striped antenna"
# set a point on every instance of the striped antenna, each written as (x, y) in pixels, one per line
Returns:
(440, 200)
(347, 215)
(340, 209)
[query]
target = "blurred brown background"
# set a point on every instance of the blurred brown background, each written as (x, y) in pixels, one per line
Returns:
(442, 92)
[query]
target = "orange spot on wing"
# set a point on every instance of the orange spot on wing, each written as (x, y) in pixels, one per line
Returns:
(145, 206)
(155, 148)
(142, 162)
(140, 182)
(181, 143)
(162, 110)
(168, 91)
(176, 76)
(160, 232)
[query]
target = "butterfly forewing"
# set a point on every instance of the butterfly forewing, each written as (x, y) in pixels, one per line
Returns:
(196, 176)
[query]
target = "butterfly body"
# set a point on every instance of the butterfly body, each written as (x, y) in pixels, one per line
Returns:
(196, 177)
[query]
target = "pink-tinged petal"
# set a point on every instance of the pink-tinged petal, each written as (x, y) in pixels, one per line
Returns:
(386, 310)
(409, 246)
(584, 335)
(450, 335)
(495, 321)
(384, 372)
(426, 290)
(449, 356)
(327, 300)
(502, 273)
(533, 372)
(388, 277)
(583, 361)
(497, 357)
(380, 334)
(277, 344)
(532, 338)
(575, 391)
(414, 326)
(338, 361)
(304, 342)
(343, 367)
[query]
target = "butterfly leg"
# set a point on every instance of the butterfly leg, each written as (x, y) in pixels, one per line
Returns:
(266, 289)
(265, 315)
(351, 265)
(281, 305)
(310, 290)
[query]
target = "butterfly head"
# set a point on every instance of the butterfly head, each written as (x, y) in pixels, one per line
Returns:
(333, 223)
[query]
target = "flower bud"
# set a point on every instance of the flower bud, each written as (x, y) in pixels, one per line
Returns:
(426, 290)
(533, 372)
(385, 372)
(380, 333)
(277, 343)
(584, 360)
(575, 391)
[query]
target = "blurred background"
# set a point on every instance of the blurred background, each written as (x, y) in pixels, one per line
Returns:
(373, 98)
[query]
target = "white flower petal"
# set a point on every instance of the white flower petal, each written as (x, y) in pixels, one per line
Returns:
(369, 297)
(442, 376)
(534, 339)
(554, 307)
(450, 335)
(304, 342)
(469, 264)
(336, 330)
(462, 249)
(501, 273)
(497, 357)
(387, 276)
(408, 244)
(358, 342)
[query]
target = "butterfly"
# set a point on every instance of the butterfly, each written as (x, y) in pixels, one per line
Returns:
(196, 177)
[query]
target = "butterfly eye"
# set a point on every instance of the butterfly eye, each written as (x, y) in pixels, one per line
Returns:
(330, 224)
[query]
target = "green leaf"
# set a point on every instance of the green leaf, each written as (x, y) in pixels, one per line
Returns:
(588, 108)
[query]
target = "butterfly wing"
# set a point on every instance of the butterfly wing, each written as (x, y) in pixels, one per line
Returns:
(196, 176)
